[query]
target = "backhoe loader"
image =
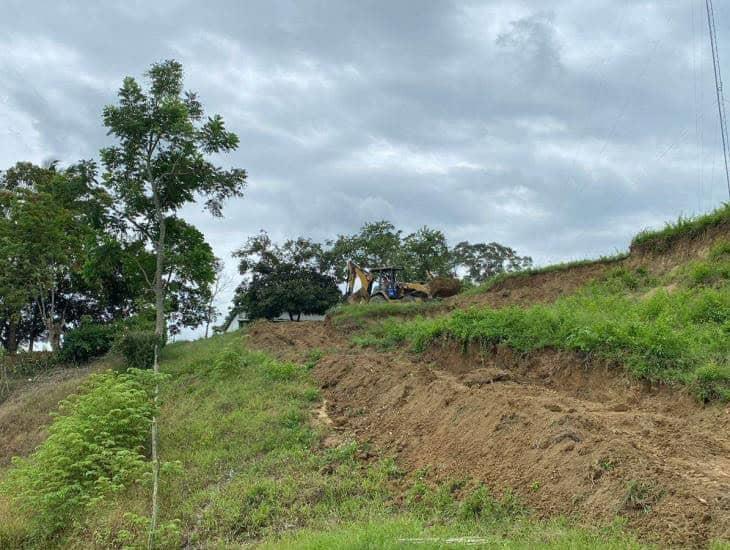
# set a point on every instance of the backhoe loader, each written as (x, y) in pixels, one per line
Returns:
(381, 284)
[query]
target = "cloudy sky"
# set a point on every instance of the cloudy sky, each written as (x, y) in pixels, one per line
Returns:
(558, 128)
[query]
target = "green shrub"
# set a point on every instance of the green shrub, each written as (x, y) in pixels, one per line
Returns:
(228, 361)
(713, 382)
(138, 349)
(28, 363)
(281, 372)
(95, 447)
(87, 341)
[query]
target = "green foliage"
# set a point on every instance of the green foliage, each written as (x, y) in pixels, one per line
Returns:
(163, 160)
(95, 448)
(313, 357)
(286, 288)
(713, 382)
(87, 341)
(676, 338)
(138, 348)
(49, 221)
(354, 315)
(228, 361)
(484, 261)
(684, 227)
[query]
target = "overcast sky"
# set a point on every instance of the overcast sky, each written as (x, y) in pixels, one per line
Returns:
(558, 128)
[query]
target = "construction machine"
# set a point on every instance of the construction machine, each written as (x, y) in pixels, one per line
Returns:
(382, 284)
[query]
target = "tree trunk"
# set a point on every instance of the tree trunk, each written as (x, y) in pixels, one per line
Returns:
(291, 317)
(159, 332)
(11, 344)
(299, 316)
(159, 281)
(31, 342)
(54, 336)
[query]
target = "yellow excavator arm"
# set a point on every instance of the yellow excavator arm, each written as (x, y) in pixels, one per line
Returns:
(357, 273)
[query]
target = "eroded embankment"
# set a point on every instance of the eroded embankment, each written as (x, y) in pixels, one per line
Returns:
(569, 433)
(568, 437)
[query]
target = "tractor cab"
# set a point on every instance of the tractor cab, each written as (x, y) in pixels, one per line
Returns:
(388, 286)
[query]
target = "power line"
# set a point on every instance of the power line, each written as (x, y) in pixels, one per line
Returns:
(718, 86)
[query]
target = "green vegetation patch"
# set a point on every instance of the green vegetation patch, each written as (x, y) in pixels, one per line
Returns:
(680, 336)
(245, 465)
(685, 227)
(357, 314)
(95, 447)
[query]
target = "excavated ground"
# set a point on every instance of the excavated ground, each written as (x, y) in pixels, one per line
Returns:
(569, 435)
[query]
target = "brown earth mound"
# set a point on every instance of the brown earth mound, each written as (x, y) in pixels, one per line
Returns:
(568, 437)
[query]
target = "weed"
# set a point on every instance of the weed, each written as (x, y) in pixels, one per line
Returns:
(95, 448)
(607, 464)
(313, 357)
(641, 496)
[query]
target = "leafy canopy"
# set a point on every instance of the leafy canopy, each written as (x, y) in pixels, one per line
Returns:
(160, 162)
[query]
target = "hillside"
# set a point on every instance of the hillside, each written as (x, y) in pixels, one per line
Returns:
(535, 410)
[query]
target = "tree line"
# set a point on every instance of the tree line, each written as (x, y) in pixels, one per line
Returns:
(103, 240)
(301, 276)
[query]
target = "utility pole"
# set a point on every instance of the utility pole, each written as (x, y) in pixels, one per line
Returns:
(718, 86)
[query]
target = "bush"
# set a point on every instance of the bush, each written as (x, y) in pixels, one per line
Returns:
(138, 349)
(713, 382)
(87, 341)
(228, 361)
(95, 447)
(28, 363)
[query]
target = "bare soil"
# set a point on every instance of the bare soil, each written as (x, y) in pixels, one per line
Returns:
(571, 436)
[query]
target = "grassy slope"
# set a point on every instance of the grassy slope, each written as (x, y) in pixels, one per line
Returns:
(245, 465)
(657, 241)
(674, 330)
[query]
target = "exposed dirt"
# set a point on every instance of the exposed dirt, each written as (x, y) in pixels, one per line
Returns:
(569, 435)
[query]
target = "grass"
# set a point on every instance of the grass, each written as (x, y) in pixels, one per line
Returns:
(354, 315)
(244, 465)
(684, 227)
(679, 337)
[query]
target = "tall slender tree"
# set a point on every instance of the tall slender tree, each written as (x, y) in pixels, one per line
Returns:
(160, 163)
